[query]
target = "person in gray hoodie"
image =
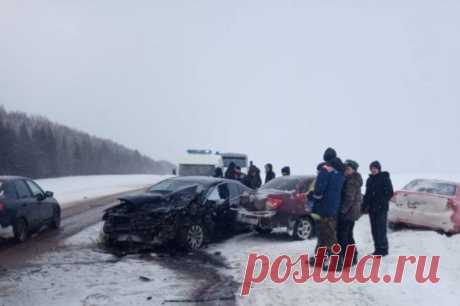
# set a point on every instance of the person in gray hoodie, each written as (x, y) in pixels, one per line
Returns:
(350, 208)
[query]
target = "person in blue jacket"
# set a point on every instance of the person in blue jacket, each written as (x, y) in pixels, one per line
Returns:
(327, 197)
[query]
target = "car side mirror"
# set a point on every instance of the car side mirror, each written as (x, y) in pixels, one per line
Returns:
(49, 194)
(40, 197)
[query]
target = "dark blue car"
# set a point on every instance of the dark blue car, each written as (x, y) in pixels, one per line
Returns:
(25, 207)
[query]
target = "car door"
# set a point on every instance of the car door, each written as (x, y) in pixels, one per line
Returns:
(235, 193)
(45, 204)
(27, 206)
(219, 198)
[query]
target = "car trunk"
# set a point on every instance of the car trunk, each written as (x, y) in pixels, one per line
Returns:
(259, 200)
(422, 202)
(424, 209)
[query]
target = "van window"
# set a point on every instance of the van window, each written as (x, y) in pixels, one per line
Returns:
(427, 186)
(241, 162)
(200, 170)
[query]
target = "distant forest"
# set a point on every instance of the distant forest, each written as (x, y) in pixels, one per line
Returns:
(36, 147)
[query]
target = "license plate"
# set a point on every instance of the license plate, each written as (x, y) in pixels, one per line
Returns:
(248, 220)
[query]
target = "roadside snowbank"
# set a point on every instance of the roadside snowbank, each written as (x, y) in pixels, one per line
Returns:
(68, 190)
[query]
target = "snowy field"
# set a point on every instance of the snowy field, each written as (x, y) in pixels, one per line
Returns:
(68, 190)
(405, 242)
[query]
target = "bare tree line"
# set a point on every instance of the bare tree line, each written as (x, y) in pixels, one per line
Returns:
(36, 147)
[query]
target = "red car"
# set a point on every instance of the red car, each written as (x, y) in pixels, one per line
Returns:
(427, 203)
(280, 203)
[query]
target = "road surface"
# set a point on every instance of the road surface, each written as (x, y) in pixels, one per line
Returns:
(68, 266)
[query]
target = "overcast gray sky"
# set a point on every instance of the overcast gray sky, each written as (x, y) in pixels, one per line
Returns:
(279, 80)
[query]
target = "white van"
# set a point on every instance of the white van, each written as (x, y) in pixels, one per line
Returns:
(199, 162)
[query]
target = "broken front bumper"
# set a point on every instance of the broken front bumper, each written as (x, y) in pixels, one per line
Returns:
(138, 229)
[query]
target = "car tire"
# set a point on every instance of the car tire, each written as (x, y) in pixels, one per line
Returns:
(303, 229)
(56, 222)
(21, 230)
(193, 237)
(263, 230)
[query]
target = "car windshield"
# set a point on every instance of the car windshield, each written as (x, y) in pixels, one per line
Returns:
(200, 170)
(282, 183)
(169, 186)
(427, 186)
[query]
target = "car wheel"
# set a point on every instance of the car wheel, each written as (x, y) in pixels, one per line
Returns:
(21, 230)
(264, 230)
(193, 237)
(303, 229)
(56, 222)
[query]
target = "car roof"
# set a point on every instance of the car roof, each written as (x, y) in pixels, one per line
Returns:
(6, 178)
(436, 181)
(295, 177)
(204, 180)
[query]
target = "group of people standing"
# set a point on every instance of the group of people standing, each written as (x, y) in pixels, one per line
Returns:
(252, 179)
(338, 203)
(337, 200)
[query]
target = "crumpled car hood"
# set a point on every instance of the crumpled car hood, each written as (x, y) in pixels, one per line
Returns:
(156, 202)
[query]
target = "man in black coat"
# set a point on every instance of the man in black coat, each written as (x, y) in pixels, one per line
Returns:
(379, 191)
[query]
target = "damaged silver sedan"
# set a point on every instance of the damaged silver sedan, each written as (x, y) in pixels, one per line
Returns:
(187, 212)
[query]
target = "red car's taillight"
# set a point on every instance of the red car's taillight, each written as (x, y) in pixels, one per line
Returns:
(274, 203)
(2, 207)
(451, 204)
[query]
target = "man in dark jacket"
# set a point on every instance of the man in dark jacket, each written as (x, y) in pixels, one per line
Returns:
(253, 179)
(269, 174)
(350, 209)
(379, 191)
(327, 197)
(231, 172)
(218, 172)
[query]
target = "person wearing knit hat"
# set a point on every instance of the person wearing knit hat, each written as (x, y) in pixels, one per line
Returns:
(351, 163)
(349, 212)
(379, 191)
